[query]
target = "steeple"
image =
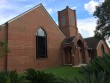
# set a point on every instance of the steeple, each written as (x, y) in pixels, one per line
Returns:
(67, 22)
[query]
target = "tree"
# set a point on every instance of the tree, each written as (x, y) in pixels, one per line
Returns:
(3, 46)
(11, 77)
(102, 12)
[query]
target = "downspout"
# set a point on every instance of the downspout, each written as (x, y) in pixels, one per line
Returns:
(6, 60)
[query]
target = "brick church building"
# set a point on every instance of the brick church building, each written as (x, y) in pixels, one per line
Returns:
(36, 41)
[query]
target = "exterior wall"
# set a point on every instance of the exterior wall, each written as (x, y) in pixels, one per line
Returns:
(21, 35)
(22, 41)
(75, 51)
(85, 56)
(3, 37)
(3, 33)
(73, 27)
(68, 29)
(64, 28)
(2, 63)
(99, 52)
(76, 57)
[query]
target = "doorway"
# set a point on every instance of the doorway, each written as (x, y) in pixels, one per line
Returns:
(68, 56)
(81, 53)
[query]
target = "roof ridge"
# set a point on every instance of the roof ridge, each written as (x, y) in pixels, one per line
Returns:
(31, 10)
(89, 37)
(24, 13)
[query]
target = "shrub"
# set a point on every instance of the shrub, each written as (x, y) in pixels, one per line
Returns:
(97, 71)
(11, 77)
(33, 76)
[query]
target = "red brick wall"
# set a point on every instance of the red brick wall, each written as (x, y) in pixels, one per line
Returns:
(3, 33)
(3, 37)
(73, 28)
(68, 29)
(2, 63)
(99, 52)
(22, 41)
(65, 28)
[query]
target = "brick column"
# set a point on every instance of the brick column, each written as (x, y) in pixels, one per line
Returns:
(76, 56)
(63, 56)
(72, 55)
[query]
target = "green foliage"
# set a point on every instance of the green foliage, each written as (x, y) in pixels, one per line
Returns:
(97, 71)
(11, 77)
(3, 48)
(62, 80)
(98, 64)
(102, 12)
(65, 72)
(33, 76)
(92, 78)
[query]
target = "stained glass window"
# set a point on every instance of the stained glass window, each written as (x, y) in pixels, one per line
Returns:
(72, 20)
(41, 44)
(63, 21)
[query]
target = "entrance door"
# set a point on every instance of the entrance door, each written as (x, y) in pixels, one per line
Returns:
(68, 55)
(81, 51)
(80, 56)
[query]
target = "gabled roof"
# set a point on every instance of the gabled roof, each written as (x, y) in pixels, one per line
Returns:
(92, 42)
(24, 13)
(30, 11)
(68, 40)
(71, 39)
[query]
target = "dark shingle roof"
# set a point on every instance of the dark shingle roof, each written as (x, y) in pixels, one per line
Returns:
(92, 42)
(68, 40)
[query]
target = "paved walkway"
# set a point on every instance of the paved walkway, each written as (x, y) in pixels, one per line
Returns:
(80, 65)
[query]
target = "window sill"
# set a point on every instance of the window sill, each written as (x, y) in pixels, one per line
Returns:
(41, 58)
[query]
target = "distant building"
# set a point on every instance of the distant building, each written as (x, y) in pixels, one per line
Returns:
(36, 41)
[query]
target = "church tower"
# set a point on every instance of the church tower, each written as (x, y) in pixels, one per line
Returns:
(67, 22)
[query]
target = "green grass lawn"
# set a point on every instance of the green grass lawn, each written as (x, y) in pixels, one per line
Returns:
(65, 72)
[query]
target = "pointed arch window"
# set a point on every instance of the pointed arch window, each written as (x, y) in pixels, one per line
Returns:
(72, 20)
(41, 44)
(63, 21)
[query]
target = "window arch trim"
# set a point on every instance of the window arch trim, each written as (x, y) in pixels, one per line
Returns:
(41, 43)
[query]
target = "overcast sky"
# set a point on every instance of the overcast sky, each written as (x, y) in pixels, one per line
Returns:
(84, 9)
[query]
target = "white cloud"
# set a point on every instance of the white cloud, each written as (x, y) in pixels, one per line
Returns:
(56, 22)
(101, 1)
(90, 7)
(4, 4)
(50, 10)
(87, 26)
(22, 0)
(28, 6)
(9, 10)
(4, 19)
(108, 42)
(74, 8)
(51, 0)
(6, 11)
